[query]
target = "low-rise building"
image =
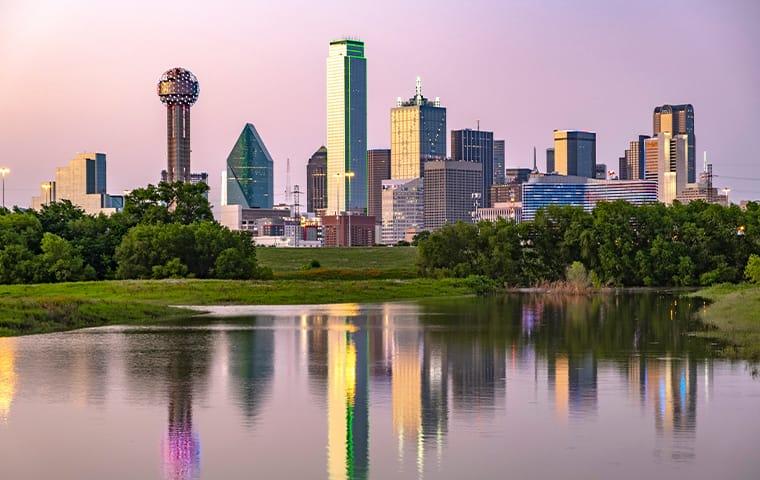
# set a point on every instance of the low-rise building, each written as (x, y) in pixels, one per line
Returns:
(507, 210)
(335, 230)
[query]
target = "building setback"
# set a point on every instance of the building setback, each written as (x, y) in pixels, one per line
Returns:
(346, 127)
(475, 146)
(499, 162)
(249, 180)
(316, 182)
(678, 120)
(449, 187)
(575, 153)
(418, 134)
(403, 212)
(540, 192)
(378, 169)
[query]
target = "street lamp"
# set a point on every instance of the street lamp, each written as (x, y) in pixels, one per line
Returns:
(4, 173)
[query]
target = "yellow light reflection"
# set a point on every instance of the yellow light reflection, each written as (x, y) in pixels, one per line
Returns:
(7, 376)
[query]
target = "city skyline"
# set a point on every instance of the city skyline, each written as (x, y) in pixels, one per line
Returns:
(128, 127)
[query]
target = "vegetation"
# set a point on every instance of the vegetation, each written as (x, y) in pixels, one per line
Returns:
(620, 245)
(733, 319)
(355, 263)
(164, 231)
(49, 307)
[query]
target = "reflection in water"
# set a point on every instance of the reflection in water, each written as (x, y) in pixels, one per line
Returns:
(7, 376)
(430, 371)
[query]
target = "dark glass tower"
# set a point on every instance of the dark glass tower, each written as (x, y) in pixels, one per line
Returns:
(316, 181)
(378, 169)
(249, 178)
(475, 146)
(178, 89)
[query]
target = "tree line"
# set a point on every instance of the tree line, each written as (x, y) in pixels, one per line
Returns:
(163, 231)
(619, 244)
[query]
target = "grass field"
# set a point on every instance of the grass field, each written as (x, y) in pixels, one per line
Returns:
(733, 319)
(63, 306)
(354, 263)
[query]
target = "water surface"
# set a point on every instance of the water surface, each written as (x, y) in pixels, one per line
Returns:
(521, 386)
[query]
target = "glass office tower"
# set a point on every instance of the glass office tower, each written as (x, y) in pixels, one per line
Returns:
(346, 127)
(418, 135)
(678, 120)
(575, 153)
(248, 180)
(475, 146)
(499, 162)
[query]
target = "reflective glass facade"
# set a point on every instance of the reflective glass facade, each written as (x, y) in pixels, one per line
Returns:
(346, 127)
(249, 179)
(316, 181)
(678, 120)
(575, 153)
(475, 146)
(499, 162)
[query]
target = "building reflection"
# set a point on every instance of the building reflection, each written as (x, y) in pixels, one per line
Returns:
(573, 381)
(7, 376)
(251, 366)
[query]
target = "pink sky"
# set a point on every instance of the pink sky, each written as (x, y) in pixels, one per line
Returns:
(81, 76)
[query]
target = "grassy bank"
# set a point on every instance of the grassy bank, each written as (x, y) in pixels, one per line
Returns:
(354, 263)
(733, 318)
(50, 307)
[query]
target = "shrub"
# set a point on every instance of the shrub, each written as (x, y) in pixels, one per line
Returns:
(312, 264)
(752, 270)
(232, 264)
(174, 268)
(481, 284)
(577, 277)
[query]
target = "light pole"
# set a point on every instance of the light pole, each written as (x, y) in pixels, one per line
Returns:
(4, 173)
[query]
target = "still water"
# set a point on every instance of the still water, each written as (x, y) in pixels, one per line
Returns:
(513, 387)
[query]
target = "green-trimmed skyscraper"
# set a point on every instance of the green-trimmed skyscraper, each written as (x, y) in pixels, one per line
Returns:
(248, 179)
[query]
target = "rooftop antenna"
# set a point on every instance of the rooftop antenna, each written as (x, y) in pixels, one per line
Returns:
(418, 87)
(287, 181)
(704, 162)
(535, 167)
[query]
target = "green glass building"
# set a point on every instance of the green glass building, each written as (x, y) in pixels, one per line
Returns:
(249, 178)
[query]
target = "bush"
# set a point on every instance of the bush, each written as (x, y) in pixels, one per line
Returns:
(232, 264)
(174, 268)
(481, 285)
(752, 270)
(311, 265)
(577, 277)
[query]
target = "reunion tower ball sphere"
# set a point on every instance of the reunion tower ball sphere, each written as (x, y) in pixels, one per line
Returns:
(178, 87)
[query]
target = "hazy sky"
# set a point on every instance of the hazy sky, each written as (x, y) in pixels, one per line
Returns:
(81, 76)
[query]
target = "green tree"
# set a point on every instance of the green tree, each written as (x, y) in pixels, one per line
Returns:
(61, 262)
(178, 202)
(232, 263)
(752, 270)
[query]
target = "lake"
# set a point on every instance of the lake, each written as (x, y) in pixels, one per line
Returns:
(521, 386)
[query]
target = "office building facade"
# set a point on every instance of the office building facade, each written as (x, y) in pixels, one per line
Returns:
(378, 169)
(540, 192)
(449, 191)
(600, 172)
(348, 230)
(346, 127)
(249, 177)
(575, 153)
(509, 192)
(666, 162)
(633, 163)
(678, 120)
(475, 146)
(499, 162)
(511, 211)
(403, 212)
(178, 89)
(550, 168)
(316, 182)
(418, 134)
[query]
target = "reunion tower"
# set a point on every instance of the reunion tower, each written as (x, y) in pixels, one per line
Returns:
(178, 89)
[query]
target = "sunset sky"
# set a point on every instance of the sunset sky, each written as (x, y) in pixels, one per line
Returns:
(81, 76)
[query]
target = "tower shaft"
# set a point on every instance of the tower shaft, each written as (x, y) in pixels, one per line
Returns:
(178, 142)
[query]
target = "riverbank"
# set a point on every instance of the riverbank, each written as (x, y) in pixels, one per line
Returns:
(733, 319)
(27, 309)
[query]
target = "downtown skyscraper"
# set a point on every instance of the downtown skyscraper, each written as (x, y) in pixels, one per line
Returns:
(575, 153)
(678, 120)
(418, 135)
(346, 127)
(249, 178)
(475, 146)
(178, 90)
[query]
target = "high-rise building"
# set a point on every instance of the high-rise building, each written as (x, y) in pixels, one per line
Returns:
(316, 182)
(499, 162)
(83, 183)
(378, 169)
(418, 134)
(475, 146)
(550, 160)
(575, 153)
(178, 90)
(403, 212)
(249, 178)
(600, 171)
(540, 192)
(633, 164)
(678, 120)
(451, 191)
(346, 127)
(666, 160)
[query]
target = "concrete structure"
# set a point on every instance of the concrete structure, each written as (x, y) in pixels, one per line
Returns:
(575, 153)
(83, 183)
(703, 190)
(510, 192)
(633, 164)
(678, 120)
(450, 190)
(511, 211)
(335, 230)
(518, 175)
(178, 89)
(378, 169)
(316, 182)
(418, 134)
(550, 160)
(666, 162)
(237, 217)
(249, 177)
(475, 146)
(540, 192)
(346, 127)
(499, 162)
(403, 211)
